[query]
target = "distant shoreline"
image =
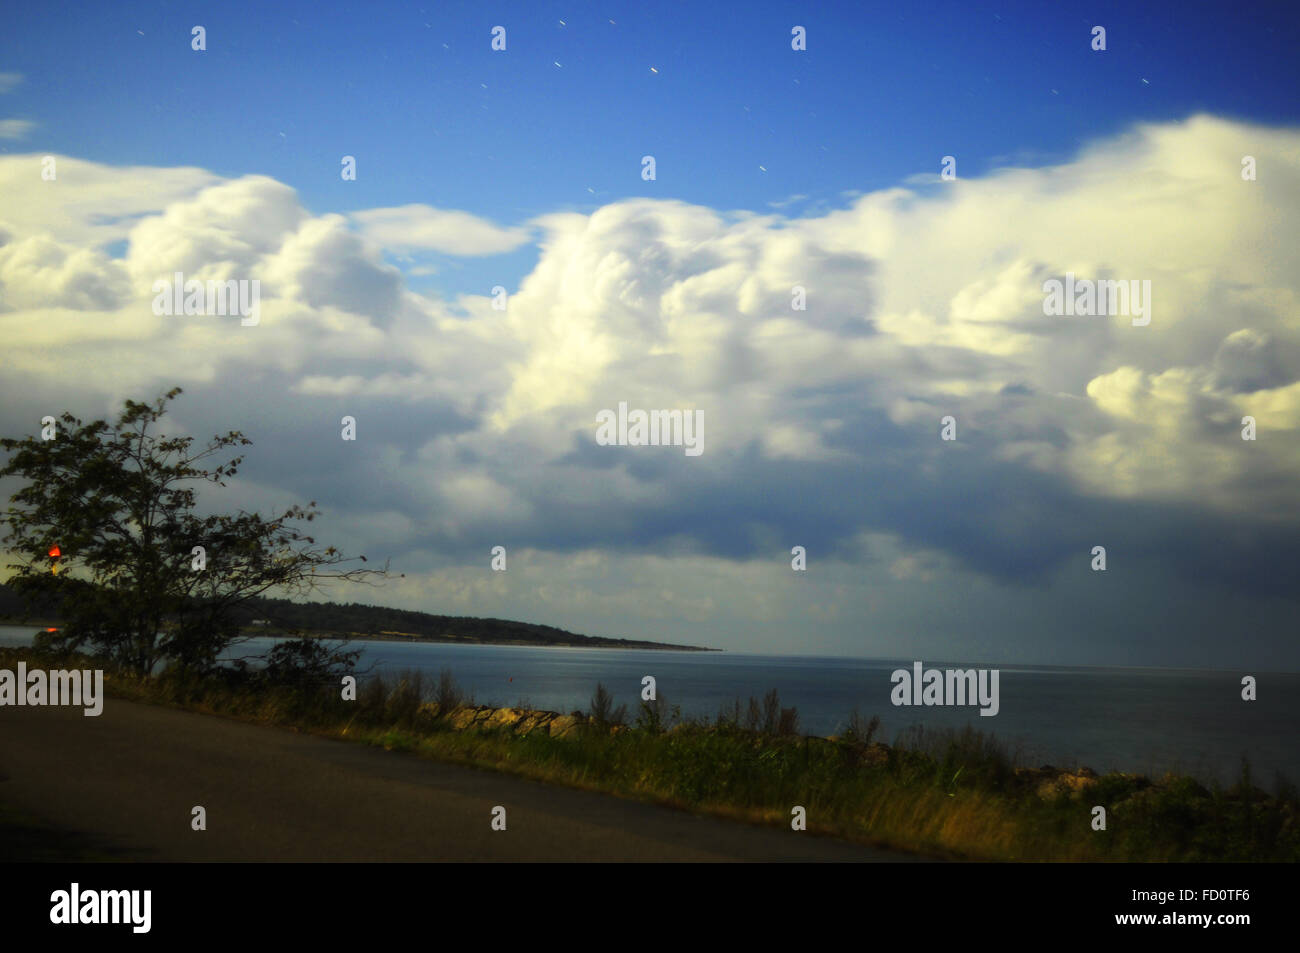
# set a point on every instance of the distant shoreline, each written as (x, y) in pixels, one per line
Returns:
(410, 639)
(596, 642)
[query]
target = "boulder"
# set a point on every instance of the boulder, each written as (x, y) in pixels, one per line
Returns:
(564, 725)
(504, 718)
(534, 721)
(462, 717)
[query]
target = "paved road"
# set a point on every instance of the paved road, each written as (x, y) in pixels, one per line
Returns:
(129, 779)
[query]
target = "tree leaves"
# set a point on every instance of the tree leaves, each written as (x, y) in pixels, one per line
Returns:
(120, 500)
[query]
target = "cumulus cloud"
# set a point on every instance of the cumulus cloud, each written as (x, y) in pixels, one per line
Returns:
(225, 228)
(324, 265)
(38, 272)
(822, 424)
(88, 203)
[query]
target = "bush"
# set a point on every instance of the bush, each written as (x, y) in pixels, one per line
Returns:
(860, 731)
(654, 715)
(404, 701)
(603, 713)
(305, 662)
(448, 695)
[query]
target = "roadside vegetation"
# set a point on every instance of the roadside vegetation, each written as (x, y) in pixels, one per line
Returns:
(958, 795)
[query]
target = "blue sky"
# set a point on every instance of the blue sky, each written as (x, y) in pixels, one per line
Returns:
(434, 115)
(775, 169)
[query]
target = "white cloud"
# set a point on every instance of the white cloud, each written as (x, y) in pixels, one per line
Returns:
(223, 231)
(88, 203)
(445, 230)
(474, 420)
(38, 272)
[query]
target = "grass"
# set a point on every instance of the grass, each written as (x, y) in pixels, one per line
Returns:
(958, 795)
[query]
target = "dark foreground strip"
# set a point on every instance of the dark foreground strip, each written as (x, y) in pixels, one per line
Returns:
(678, 903)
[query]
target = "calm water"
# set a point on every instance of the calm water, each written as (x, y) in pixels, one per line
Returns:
(1144, 720)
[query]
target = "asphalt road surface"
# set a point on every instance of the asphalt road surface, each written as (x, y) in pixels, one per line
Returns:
(127, 781)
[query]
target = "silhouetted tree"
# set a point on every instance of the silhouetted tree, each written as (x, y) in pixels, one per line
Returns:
(118, 501)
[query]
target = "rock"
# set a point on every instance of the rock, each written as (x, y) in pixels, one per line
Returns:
(519, 720)
(534, 721)
(462, 717)
(1050, 782)
(504, 718)
(1079, 781)
(564, 725)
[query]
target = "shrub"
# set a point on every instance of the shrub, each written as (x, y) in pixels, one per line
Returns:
(603, 713)
(448, 695)
(653, 715)
(859, 730)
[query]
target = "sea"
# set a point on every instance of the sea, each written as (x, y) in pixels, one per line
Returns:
(1142, 720)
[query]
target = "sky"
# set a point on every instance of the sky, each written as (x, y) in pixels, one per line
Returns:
(774, 168)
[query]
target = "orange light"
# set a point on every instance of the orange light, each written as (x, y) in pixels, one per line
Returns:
(55, 552)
